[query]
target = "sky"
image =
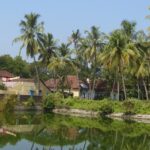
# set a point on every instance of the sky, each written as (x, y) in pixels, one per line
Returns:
(61, 17)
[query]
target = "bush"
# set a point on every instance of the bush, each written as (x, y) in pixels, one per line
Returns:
(2, 86)
(129, 107)
(51, 99)
(106, 109)
(2, 105)
(30, 102)
(10, 102)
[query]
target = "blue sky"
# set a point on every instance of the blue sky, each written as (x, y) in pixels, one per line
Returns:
(61, 17)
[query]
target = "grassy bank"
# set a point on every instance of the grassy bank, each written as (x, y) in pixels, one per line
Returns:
(106, 106)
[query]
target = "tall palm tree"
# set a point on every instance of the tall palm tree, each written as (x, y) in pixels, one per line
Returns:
(30, 28)
(128, 28)
(93, 44)
(62, 64)
(47, 48)
(117, 56)
(75, 39)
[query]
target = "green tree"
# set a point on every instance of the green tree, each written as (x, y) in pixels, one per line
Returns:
(47, 48)
(62, 65)
(30, 29)
(117, 56)
(128, 29)
(91, 47)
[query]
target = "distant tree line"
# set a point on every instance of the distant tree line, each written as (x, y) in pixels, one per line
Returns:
(121, 57)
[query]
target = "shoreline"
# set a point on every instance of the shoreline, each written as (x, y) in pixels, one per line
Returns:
(145, 118)
(94, 114)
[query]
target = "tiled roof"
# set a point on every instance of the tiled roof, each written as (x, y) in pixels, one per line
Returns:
(23, 80)
(6, 74)
(52, 83)
(71, 81)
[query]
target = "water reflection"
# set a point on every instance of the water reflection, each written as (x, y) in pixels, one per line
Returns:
(29, 131)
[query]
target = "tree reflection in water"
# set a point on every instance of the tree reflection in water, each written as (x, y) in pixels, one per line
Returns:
(54, 132)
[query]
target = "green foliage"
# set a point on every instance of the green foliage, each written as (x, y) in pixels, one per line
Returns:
(10, 102)
(2, 86)
(2, 105)
(16, 66)
(105, 106)
(52, 99)
(30, 102)
(106, 109)
(128, 107)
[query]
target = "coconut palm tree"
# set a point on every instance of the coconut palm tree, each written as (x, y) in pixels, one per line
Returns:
(128, 29)
(30, 28)
(91, 47)
(47, 48)
(62, 64)
(117, 56)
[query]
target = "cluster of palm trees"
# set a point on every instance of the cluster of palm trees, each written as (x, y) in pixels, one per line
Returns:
(122, 57)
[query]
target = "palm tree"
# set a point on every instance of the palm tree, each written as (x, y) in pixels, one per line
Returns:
(128, 28)
(140, 68)
(75, 39)
(117, 56)
(62, 64)
(47, 48)
(92, 46)
(30, 28)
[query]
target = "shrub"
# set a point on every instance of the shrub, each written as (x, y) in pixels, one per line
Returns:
(129, 107)
(30, 102)
(51, 99)
(2, 86)
(2, 105)
(10, 102)
(106, 109)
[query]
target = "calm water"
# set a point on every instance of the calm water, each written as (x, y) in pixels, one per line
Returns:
(54, 132)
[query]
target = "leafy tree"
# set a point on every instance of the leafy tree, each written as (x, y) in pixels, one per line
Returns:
(117, 56)
(47, 48)
(62, 65)
(30, 29)
(91, 47)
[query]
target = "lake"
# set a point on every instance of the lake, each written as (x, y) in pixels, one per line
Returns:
(34, 131)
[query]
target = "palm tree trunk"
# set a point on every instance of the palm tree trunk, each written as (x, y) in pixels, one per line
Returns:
(112, 91)
(93, 88)
(124, 87)
(94, 77)
(138, 89)
(118, 90)
(37, 74)
(146, 91)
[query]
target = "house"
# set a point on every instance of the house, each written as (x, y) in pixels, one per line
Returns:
(21, 86)
(100, 90)
(24, 86)
(71, 85)
(5, 75)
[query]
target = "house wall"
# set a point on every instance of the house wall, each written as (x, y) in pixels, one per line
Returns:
(75, 93)
(23, 88)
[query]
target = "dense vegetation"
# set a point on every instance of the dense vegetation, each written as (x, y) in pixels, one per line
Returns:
(20, 67)
(121, 58)
(105, 106)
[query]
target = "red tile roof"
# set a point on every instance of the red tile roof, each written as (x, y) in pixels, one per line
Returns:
(52, 83)
(71, 81)
(23, 80)
(6, 74)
